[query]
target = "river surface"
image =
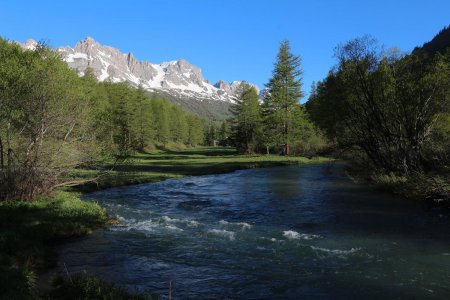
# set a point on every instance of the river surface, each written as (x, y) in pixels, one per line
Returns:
(301, 232)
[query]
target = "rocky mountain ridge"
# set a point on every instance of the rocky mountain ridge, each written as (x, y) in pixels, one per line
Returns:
(177, 78)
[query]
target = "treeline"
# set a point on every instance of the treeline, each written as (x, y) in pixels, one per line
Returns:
(52, 121)
(131, 121)
(279, 123)
(391, 111)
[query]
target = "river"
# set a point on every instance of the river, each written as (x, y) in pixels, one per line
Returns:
(300, 232)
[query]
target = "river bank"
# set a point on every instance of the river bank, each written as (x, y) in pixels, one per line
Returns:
(28, 230)
(431, 188)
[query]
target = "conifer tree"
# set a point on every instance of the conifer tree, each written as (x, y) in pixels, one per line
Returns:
(246, 126)
(195, 130)
(161, 121)
(224, 130)
(143, 119)
(284, 92)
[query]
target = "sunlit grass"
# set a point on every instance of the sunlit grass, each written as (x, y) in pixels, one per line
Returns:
(28, 228)
(160, 165)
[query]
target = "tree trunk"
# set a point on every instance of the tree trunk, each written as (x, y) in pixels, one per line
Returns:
(2, 162)
(10, 163)
(286, 149)
(267, 150)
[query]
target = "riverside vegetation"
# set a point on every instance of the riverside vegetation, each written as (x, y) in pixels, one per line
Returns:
(29, 229)
(61, 133)
(390, 112)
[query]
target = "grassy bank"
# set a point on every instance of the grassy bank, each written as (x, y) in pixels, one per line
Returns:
(432, 188)
(161, 165)
(28, 230)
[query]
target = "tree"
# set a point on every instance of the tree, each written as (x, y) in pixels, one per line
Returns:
(122, 118)
(224, 130)
(382, 104)
(178, 124)
(161, 109)
(45, 121)
(143, 119)
(211, 135)
(195, 130)
(246, 122)
(284, 92)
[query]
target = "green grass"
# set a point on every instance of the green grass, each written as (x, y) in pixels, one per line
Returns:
(28, 229)
(161, 165)
(85, 287)
(432, 187)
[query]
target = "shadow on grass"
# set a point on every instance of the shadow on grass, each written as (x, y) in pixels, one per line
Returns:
(167, 164)
(195, 153)
(207, 151)
(27, 231)
(192, 169)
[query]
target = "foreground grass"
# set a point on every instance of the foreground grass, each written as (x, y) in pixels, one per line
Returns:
(28, 230)
(86, 287)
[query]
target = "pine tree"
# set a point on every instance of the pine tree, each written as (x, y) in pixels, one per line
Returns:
(246, 123)
(178, 124)
(284, 92)
(161, 119)
(224, 131)
(143, 119)
(195, 130)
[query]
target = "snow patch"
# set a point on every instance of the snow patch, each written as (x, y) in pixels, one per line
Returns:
(76, 55)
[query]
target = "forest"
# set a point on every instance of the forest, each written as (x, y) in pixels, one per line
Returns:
(52, 121)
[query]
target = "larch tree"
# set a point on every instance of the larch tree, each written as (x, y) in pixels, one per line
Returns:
(246, 124)
(284, 92)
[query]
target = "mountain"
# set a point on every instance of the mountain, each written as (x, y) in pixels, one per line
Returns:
(179, 81)
(439, 44)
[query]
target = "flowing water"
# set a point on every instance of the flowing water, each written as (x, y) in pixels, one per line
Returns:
(297, 232)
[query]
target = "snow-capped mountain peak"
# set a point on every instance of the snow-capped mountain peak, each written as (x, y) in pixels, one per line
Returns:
(30, 44)
(178, 78)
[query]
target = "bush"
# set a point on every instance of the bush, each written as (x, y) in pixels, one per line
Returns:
(85, 287)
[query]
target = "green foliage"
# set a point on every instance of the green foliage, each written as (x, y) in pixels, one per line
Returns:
(52, 121)
(144, 120)
(385, 105)
(178, 125)
(246, 122)
(224, 131)
(45, 127)
(161, 125)
(284, 92)
(85, 287)
(211, 134)
(196, 130)
(26, 229)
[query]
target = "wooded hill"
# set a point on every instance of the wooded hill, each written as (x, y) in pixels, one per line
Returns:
(52, 121)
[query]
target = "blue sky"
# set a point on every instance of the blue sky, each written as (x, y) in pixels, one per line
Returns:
(229, 40)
